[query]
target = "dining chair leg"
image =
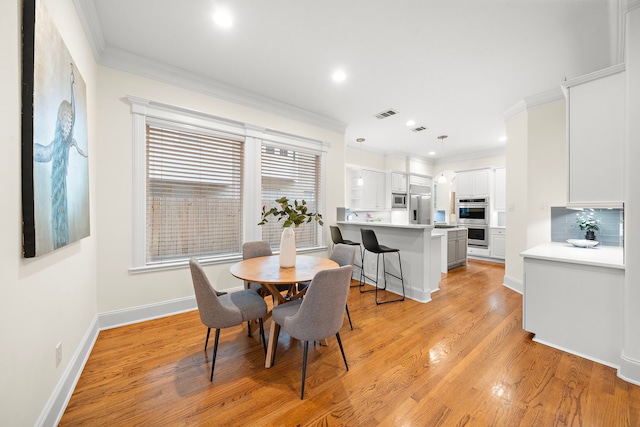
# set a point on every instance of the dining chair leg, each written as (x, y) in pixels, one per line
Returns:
(304, 367)
(215, 352)
(207, 340)
(249, 328)
(264, 341)
(342, 350)
(346, 307)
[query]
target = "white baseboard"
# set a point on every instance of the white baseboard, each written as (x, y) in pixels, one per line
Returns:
(566, 350)
(513, 284)
(128, 316)
(57, 403)
(629, 370)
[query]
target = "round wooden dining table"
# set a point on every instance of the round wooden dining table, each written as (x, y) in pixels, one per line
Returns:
(267, 271)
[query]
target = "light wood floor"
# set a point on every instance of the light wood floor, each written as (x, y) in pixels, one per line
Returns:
(460, 360)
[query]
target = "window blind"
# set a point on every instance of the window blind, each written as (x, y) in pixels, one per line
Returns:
(194, 193)
(295, 175)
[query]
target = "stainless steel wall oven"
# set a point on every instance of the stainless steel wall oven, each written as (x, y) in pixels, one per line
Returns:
(478, 236)
(473, 213)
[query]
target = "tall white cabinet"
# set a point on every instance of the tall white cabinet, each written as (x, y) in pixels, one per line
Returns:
(596, 124)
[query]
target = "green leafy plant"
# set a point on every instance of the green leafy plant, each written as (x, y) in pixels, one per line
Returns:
(587, 221)
(295, 214)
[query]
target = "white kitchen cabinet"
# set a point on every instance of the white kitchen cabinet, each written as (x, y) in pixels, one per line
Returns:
(574, 307)
(456, 248)
(497, 242)
(398, 182)
(473, 183)
(371, 195)
(595, 136)
(500, 189)
(420, 180)
(373, 190)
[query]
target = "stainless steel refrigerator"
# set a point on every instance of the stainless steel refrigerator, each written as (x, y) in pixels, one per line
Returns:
(420, 205)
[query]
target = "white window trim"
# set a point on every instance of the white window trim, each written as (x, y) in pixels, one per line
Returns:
(143, 109)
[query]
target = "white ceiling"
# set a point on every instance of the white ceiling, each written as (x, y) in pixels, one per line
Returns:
(452, 66)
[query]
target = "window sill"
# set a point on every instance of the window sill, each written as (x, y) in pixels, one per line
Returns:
(184, 263)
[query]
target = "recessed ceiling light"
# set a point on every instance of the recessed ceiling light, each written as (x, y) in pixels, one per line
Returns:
(339, 76)
(503, 139)
(411, 123)
(222, 18)
(432, 153)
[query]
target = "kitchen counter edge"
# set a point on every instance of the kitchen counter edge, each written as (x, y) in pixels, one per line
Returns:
(600, 256)
(387, 224)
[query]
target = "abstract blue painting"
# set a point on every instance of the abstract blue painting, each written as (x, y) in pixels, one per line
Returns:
(57, 212)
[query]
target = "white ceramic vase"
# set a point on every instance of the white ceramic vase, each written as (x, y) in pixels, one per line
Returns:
(288, 248)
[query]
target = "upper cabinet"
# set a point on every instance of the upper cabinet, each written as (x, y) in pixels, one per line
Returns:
(424, 181)
(398, 182)
(595, 131)
(371, 195)
(473, 183)
(373, 190)
(500, 193)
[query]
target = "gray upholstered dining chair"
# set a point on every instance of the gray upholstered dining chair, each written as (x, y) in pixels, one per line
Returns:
(254, 250)
(343, 254)
(319, 314)
(221, 310)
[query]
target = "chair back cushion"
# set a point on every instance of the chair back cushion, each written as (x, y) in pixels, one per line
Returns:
(336, 235)
(343, 254)
(256, 249)
(369, 240)
(213, 313)
(322, 310)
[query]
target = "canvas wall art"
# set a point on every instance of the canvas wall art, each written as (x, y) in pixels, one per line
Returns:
(55, 156)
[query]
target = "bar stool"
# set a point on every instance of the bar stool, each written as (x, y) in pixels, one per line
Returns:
(336, 236)
(370, 242)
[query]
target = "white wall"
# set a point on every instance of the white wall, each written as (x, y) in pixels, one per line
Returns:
(51, 298)
(516, 179)
(117, 288)
(547, 168)
(536, 180)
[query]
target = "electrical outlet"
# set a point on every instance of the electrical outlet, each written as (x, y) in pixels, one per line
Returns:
(58, 354)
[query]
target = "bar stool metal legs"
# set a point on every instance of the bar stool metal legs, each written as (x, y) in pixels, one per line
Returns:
(371, 244)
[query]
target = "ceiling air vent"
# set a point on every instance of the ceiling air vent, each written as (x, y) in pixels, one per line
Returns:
(387, 113)
(419, 129)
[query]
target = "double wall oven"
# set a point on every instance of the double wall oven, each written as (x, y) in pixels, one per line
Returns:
(473, 213)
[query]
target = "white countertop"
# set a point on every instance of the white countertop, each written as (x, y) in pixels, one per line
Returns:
(600, 256)
(386, 224)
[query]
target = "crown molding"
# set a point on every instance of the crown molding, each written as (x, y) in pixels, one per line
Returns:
(88, 15)
(595, 75)
(493, 152)
(537, 100)
(155, 70)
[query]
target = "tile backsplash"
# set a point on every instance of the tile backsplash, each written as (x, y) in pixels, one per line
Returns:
(611, 227)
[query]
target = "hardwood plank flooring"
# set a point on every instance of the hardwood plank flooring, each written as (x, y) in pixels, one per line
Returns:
(460, 360)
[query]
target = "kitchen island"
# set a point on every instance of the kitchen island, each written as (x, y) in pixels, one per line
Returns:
(454, 246)
(419, 252)
(572, 299)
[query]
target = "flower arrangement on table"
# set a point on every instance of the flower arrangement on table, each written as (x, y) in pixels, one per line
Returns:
(295, 215)
(588, 222)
